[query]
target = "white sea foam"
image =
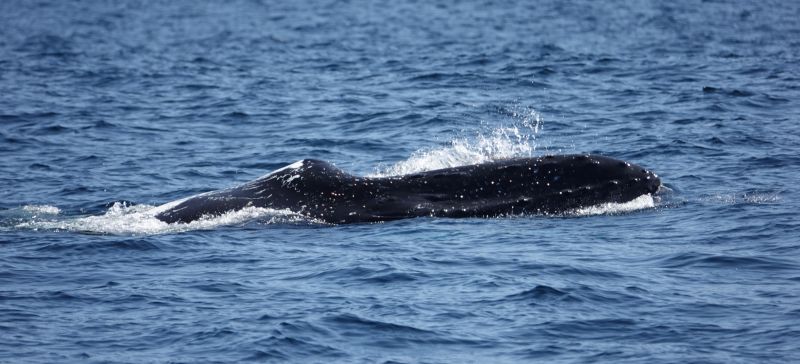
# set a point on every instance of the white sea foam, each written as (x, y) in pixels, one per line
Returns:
(639, 203)
(41, 209)
(755, 198)
(140, 220)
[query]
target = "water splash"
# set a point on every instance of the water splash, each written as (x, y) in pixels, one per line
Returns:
(516, 140)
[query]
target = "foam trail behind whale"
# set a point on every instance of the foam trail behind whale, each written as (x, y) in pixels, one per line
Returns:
(124, 219)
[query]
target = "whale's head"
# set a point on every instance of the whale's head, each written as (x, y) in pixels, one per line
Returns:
(618, 176)
(585, 180)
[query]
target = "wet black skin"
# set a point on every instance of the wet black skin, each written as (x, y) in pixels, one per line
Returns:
(542, 185)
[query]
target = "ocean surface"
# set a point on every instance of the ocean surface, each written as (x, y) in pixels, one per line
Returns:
(111, 108)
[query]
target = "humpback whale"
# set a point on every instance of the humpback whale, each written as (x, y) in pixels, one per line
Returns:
(537, 185)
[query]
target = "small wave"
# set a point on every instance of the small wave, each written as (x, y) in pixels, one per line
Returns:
(592, 328)
(95, 246)
(284, 348)
(346, 276)
(392, 278)
(704, 260)
(124, 219)
(538, 293)
(360, 324)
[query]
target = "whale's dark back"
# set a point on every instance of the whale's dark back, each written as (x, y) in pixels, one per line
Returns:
(550, 184)
(319, 190)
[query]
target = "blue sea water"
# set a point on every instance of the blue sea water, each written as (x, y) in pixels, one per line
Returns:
(108, 109)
